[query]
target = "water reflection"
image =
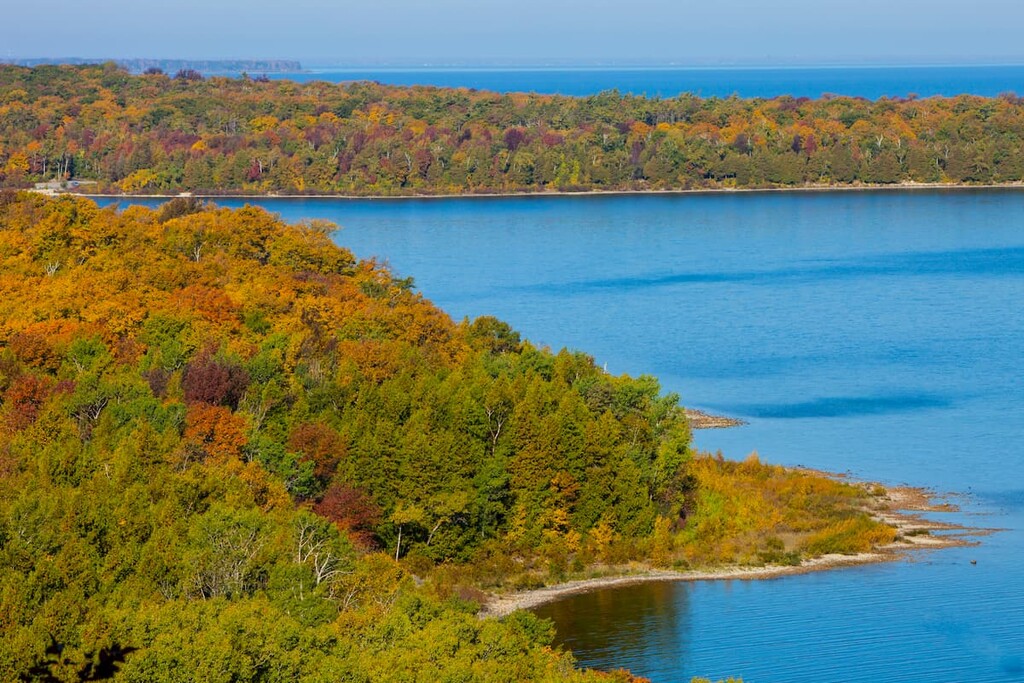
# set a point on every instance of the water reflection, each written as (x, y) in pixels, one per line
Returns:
(626, 625)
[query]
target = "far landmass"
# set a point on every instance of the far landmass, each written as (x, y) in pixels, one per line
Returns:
(169, 134)
(140, 65)
(228, 446)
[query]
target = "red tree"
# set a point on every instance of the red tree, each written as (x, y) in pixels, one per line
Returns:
(209, 380)
(352, 511)
(24, 398)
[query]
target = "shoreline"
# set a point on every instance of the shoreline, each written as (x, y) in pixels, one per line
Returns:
(901, 507)
(699, 419)
(808, 189)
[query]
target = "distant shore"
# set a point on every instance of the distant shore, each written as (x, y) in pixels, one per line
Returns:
(899, 506)
(893, 187)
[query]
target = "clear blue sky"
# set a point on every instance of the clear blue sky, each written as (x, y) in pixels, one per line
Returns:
(377, 31)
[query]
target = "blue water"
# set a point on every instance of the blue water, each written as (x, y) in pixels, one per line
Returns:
(870, 82)
(875, 333)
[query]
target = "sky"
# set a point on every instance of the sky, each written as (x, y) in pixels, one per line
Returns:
(522, 32)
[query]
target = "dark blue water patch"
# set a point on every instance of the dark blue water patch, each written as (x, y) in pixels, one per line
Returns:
(1002, 262)
(1012, 666)
(1003, 500)
(841, 406)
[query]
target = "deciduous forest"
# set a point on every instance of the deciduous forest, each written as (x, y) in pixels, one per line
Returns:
(158, 133)
(229, 446)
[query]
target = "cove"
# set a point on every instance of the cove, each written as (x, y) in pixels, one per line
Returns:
(875, 333)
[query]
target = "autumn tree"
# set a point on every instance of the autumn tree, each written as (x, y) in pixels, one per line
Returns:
(353, 511)
(208, 379)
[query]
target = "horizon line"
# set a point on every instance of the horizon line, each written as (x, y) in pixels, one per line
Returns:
(562, 63)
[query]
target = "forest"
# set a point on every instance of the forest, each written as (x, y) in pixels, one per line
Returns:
(159, 133)
(229, 446)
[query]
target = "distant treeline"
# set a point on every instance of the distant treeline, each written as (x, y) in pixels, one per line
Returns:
(172, 66)
(158, 133)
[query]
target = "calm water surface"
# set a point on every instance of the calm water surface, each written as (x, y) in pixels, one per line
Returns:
(875, 333)
(870, 82)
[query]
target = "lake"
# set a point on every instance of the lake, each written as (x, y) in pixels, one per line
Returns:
(875, 333)
(856, 81)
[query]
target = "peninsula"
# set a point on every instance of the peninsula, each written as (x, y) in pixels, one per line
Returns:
(226, 441)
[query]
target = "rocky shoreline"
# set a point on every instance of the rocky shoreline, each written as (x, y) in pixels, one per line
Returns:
(700, 420)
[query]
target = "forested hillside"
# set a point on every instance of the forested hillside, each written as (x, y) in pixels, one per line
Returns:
(154, 133)
(229, 446)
